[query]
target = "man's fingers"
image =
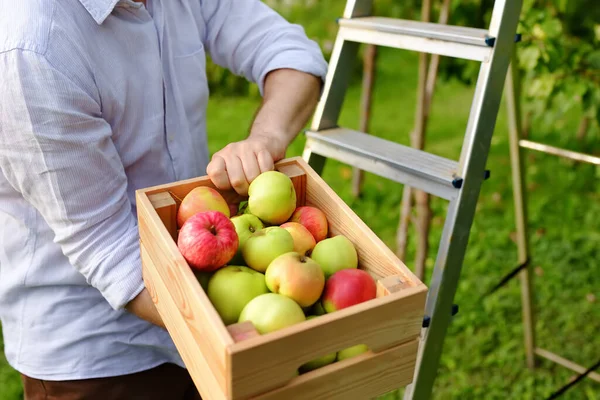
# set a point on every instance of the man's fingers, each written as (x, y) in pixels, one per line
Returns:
(217, 173)
(250, 165)
(237, 177)
(265, 161)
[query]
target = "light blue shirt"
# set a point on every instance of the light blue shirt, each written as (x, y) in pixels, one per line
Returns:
(99, 98)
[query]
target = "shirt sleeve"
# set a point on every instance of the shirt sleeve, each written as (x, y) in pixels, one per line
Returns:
(251, 39)
(57, 151)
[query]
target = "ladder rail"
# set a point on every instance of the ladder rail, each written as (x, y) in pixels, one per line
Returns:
(358, 27)
(461, 211)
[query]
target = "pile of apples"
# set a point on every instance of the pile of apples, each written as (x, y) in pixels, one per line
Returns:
(270, 261)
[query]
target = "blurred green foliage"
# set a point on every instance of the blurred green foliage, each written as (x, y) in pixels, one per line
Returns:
(559, 55)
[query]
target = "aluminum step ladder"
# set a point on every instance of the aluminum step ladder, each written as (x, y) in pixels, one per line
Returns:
(460, 181)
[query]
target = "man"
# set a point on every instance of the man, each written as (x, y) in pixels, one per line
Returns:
(97, 99)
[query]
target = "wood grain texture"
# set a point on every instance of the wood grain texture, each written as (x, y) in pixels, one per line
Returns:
(362, 377)
(201, 370)
(257, 364)
(199, 317)
(242, 331)
(391, 284)
(166, 208)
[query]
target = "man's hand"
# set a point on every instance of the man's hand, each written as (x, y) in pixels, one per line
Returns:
(290, 97)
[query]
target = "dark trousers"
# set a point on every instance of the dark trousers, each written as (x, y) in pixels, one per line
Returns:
(165, 382)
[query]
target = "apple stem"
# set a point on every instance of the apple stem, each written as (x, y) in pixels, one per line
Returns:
(212, 230)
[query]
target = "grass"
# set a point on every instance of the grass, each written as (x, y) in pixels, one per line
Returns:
(483, 356)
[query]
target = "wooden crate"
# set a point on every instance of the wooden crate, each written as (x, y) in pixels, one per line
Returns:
(265, 366)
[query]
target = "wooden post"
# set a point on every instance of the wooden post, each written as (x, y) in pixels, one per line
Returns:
(369, 62)
(427, 82)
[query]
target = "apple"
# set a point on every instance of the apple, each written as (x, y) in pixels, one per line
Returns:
(317, 308)
(270, 312)
(296, 276)
(208, 240)
(304, 241)
(318, 362)
(200, 199)
(203, 277)
(346, 288)
(245, 226)
(232, 287)
(313, 219)
(233, 209)
(334, 254)
(272, 197)
(265, 245)
(352, 351)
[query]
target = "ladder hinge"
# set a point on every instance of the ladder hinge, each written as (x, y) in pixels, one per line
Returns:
(490, 40)
(486, 175)
(427, 318)
(457, 182)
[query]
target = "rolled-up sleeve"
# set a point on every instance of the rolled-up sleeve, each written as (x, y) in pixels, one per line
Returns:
(251, 39)
(57, 151)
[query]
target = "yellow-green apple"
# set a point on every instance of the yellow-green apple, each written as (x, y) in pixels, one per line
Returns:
(232, 287)
(313, 219)
(270, 312)
(272, 197)
(265, 245)
(208, 240)
(318, 362)
(352, 351)
(245, 226)
(334, 254)
(296, 276)
(304, 241)
(200, 199)
(346, 288)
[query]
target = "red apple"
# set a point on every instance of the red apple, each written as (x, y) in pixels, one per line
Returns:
(208, 240)
(201, 199)
(346, 288)
(313, 219)
(304, 241)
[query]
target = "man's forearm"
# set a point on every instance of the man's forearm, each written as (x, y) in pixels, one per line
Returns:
(290, 97)
(143, 306)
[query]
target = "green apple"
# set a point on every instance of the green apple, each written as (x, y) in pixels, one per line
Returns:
(352, 351)
(203, 278)
(272, 197)
(245, 225)
(335, 253)
(317, 309)
(265, 245)
(318, 362)
(232, 287)
(271, 311)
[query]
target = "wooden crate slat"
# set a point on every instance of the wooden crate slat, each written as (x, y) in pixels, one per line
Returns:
(200, 369)
(191, 302)
(362, 377)
(257, 364)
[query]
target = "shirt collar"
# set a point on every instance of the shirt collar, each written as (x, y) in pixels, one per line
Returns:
(99, 9)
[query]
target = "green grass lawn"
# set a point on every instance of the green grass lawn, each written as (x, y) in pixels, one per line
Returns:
(483, 355)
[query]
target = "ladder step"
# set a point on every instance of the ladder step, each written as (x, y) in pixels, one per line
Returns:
(403, 164)
(449, 40)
